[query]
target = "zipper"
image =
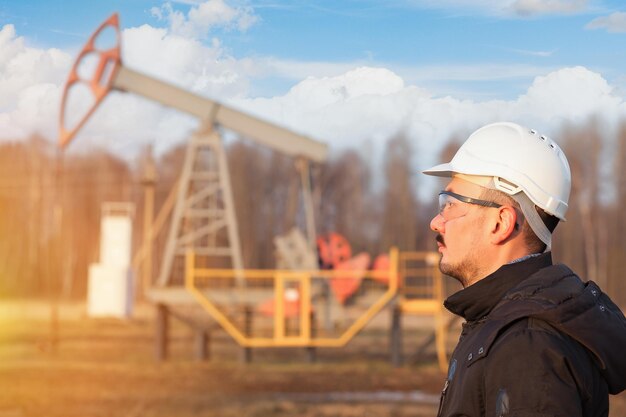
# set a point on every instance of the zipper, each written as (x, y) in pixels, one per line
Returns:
(443, 396)
(446, 385)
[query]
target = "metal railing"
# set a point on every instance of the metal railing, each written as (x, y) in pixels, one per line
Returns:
(297, 296)
(421, 292)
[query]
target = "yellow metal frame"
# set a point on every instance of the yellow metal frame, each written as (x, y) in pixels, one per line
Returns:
(432, 306)
(281, 277)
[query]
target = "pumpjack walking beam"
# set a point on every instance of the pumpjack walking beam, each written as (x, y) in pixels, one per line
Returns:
(110, 75)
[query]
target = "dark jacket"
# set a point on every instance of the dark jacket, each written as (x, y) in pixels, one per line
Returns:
(537, 342)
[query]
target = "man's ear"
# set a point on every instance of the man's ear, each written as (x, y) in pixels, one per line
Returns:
(506, 225)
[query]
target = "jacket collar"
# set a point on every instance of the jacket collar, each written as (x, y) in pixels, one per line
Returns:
(477, 300)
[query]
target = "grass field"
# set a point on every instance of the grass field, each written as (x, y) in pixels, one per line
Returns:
(106, 367)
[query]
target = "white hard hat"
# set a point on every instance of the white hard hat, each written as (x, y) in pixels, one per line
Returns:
(519, 159)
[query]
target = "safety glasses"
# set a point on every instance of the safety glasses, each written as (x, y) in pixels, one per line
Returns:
(449, 206)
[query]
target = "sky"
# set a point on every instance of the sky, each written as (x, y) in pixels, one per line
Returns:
(350, 73)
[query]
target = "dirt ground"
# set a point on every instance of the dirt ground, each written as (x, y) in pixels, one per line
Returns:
(107, 367)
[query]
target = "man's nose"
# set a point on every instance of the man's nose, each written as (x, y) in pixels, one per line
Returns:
(436, 224)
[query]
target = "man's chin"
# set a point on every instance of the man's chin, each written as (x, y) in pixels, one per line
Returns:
(445, 266)
(449, 269)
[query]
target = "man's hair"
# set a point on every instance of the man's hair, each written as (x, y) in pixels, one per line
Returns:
(533, 243)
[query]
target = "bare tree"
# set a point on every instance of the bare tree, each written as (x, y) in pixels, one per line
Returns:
(347, 204)
(399, 218)
(583, 146)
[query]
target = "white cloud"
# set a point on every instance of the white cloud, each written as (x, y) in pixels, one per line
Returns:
(538, 7)
(474, 72)
(204, 17)
(441, 79)
(542, 54)
(184, 61)
(342, 104)
(614, 23)
(298, 70)
(521, 8)
(30, 81)
(570, 94)
(343, 112)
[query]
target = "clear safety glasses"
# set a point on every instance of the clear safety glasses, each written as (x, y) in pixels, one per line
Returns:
(449, 206)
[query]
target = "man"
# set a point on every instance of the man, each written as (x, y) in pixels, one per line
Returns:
(537, 340)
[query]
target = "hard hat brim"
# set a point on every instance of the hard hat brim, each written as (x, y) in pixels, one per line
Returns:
(441, 170)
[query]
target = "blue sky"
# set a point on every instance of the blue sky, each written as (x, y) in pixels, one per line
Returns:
(347, 72)
(410, 37)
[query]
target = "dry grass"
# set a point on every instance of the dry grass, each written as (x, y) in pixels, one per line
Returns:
(106, 367)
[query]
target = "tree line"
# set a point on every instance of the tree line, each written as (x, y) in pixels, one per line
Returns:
(50, 205)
